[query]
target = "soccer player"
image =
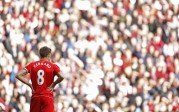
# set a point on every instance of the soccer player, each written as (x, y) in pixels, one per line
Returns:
(42, 74)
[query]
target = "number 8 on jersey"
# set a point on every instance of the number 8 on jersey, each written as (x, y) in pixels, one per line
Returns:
(40, 79)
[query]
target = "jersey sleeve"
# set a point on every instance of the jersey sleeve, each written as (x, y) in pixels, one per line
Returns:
(56, 69)
(28, 67)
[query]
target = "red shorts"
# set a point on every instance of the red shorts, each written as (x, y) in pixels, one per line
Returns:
(42, 103)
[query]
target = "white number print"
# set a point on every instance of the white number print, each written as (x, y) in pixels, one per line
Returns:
(40, 79)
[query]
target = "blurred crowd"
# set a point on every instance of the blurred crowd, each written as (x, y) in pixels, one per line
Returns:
(115, 55)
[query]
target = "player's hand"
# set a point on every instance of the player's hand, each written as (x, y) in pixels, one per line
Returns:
(50, 88)
(32, 88)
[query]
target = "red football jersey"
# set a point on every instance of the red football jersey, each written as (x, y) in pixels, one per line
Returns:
(42, 74)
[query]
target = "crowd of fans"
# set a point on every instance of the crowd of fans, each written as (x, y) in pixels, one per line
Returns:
(115, 55)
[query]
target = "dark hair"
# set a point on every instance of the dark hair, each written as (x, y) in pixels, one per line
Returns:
(44, 52)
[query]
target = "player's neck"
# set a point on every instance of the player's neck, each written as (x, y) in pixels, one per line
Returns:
(45, 59)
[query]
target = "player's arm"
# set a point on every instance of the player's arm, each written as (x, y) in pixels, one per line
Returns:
(58, 80)
(20, 77)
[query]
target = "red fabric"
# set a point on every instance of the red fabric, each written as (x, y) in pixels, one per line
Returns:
(42, 75)
(126, 4)
(58, 3)
(176, 108)
(151, 107)
(170, 64)
(42, 104)
(157, 46)
(25, 14)
(134, 34)
(7, 107)
(139, 10)
(126, 62)
(116, 12)
(160, 74)
(90, 38)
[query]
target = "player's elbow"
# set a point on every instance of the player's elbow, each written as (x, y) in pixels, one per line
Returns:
(62, 78)
(17, 76)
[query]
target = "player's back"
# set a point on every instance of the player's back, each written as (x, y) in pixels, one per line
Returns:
(42, 74)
